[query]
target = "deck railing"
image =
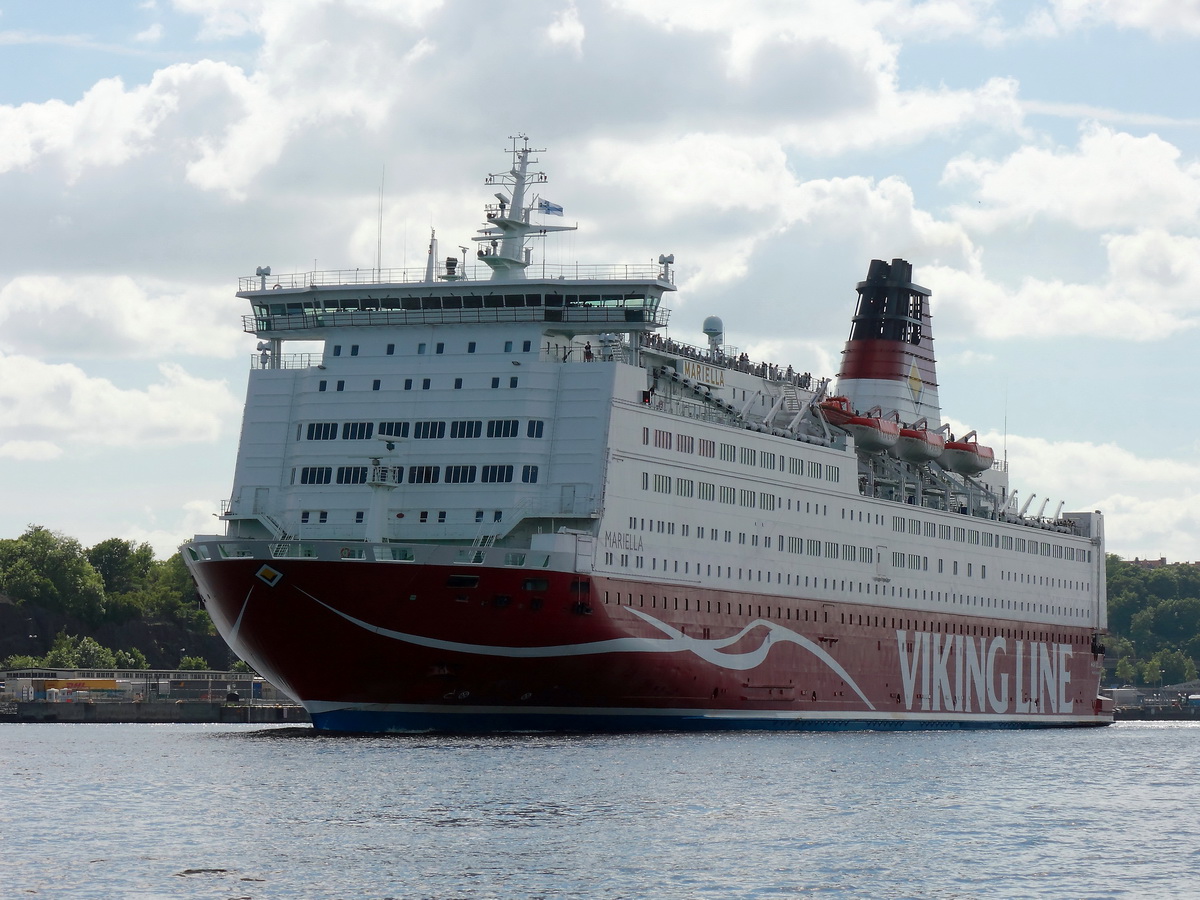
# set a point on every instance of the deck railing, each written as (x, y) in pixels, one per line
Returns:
(468, 274)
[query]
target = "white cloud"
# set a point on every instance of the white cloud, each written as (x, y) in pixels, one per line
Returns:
(1112, 180)
(151, 35)
(1161, 18)
(1151, 506)
(29, 450)
(115, 317)
(567, 30)
(1147, 294)
(63, 406)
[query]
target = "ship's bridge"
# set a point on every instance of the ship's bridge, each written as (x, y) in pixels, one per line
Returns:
(568, 299)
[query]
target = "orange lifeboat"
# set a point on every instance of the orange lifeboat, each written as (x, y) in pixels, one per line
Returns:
(917, 444)
(872, 434)
(968, 456)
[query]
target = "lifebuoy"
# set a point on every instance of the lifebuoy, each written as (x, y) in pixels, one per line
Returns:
(345, 553)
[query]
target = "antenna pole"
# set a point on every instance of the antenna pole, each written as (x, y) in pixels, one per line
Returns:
(379, 229)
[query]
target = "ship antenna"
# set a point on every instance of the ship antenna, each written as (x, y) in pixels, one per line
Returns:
(379, 229)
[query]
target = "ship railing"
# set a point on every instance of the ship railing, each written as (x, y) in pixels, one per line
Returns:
(727, 357)
(470, 273)
(285, 361)
(600, 317)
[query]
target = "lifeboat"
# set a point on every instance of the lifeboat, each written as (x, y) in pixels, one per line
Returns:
(967, 457)
(917, 444)
(872, 434)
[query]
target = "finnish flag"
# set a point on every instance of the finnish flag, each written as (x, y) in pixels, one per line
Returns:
(550, 209)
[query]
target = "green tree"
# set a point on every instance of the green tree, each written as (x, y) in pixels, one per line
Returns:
(64, 652)
(90, 654)
(51, 570)
(123, 565)
(130, 659)
(20, 661)
(241, 666)
(192, 664)
(1126, 672)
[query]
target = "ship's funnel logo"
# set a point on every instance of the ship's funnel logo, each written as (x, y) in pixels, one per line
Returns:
(915, 382)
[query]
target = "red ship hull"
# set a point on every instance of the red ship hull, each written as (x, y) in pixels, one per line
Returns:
(374, 646)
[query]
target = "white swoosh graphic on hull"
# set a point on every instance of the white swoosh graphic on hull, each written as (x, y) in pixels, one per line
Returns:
(676, 641)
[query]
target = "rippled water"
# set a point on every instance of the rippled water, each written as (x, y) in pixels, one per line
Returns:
(140, 811)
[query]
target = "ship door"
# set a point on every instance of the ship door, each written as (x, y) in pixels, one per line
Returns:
(568, 499)
(261, 495)
(880, 565)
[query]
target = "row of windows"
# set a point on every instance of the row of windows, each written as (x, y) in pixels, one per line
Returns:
(426, 430)
(980, 537)
(848, 552)
(464, 474)
(321, 516)
(747, 456)
(426, 384)
(840, 584)
(438, 348)
(452, 301)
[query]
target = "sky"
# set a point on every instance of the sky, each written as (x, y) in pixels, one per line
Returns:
(1037, 163)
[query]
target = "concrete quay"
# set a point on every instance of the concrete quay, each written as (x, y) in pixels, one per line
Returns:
(159, 712)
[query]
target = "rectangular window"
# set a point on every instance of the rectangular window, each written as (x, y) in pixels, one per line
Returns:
(814, 469)
(526, 346)
(749, 456)
(766, 460)
(728, 453)
(662, 439)
(352, 475)
(441, 348)
(813, 547)
(337, 349)
(391, 349)
(354, 349)
(662, 484)
(466, 428)
(508, 346)
(502, 428)
(529, 474)
(429, 430)
(512, 382)
(470, 346)
(496, 474)
(375, 384)
(685, 487)
(707, 448)
(321, 385)
(746, 498)
(535, 428)
(393, 429)
(341, 385)
(421, 349)
(495, 382)
(423, 474)
(460, 474)
(425, 384)
(685, 443)
(458, 384)
(316, 475)
(408, 384)
(708, 491)
(322, 431)
(357, 431)
(766, 501)
(728, 494)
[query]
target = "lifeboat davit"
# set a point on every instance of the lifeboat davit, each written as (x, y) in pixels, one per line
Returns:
(917, 444)
(967, 457)
(872, 434)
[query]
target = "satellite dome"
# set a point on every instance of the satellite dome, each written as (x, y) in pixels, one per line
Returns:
(713, 326)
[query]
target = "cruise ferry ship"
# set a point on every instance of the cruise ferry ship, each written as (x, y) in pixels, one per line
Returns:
(492, 495)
